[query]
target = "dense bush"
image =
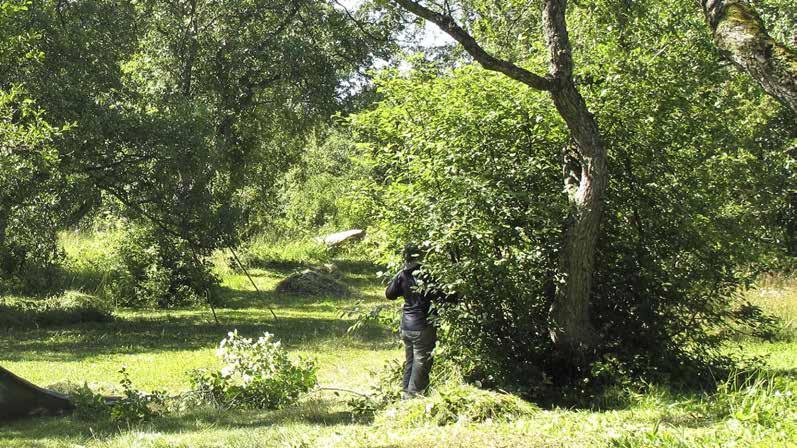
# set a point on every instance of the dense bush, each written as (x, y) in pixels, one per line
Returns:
(470, 163)
(153, 268)
(467, 163)
(129, 264)
(255, 374)
(700, 177)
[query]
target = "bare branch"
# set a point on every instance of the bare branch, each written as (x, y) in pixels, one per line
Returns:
(447, 24)
(358, 23)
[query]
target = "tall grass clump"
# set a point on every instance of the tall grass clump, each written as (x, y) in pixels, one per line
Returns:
(777, 296)
(759, 399)
(68, 308)
(89, 259)
(755, 409)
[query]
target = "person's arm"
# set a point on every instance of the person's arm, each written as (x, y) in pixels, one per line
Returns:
(395, 288)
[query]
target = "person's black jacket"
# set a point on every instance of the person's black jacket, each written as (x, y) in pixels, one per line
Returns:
(417, 299)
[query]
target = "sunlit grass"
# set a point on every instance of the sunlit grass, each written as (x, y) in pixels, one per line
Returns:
(158, 347)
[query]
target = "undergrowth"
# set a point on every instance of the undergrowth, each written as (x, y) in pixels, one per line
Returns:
(267, 251)
(753, 409)
(131, 407)
(68, 308)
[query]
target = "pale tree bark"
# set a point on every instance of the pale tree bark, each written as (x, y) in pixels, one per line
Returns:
(742, 38)
(570, 326)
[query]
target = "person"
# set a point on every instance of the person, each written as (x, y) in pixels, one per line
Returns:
(417, 331)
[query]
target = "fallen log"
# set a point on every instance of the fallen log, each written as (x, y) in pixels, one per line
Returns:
(338, 238)
(20, 398)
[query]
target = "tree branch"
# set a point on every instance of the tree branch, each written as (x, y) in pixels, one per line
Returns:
(447, 24)
(358, 23)
(741, 38)
(557, 40)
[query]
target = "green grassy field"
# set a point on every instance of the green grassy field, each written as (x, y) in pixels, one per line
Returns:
(159, 346)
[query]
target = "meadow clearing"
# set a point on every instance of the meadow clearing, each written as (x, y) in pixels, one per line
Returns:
(159, 346)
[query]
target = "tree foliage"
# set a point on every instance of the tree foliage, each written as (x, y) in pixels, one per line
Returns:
(320, 192)
(185, 113)
(470, 163)
(30, 183)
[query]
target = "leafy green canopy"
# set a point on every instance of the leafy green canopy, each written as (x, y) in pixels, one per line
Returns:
(182, 109)
(29, 181)
(28, 164)
(184, 114)
(470, 163)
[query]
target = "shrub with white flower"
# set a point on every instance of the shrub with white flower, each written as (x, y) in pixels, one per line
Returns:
(255, 373)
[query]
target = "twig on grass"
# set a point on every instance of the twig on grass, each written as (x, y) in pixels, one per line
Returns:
(338, 389)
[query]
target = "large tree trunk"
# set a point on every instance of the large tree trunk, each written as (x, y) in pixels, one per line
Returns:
(571, 328)
(741, 37)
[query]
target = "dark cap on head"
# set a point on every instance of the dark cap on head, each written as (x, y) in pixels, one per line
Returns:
(411, 253)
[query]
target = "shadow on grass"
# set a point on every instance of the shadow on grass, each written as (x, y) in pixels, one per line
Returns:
(229, 298)
(235, 299)
(303, 320)
(172, 333)
(314, 411)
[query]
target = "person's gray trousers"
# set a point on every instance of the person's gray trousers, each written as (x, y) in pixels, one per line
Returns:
(418, 346)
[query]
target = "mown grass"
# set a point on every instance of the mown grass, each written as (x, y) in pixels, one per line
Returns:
(159, 346)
